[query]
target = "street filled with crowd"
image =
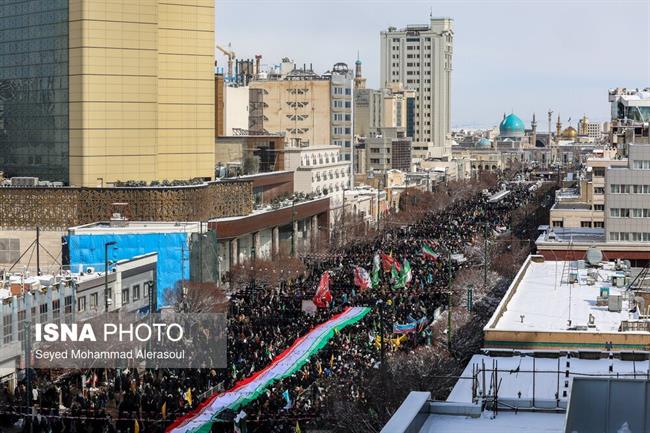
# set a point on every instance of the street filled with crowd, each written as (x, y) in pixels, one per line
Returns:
(264, 321)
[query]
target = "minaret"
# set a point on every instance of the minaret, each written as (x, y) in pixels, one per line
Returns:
(558, 128)
(533, 125)
(359, 81)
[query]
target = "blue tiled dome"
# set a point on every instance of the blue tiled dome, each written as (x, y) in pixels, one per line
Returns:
(512, 126)
(483, 142)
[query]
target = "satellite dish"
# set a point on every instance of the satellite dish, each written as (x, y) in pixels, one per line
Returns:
(594, 256)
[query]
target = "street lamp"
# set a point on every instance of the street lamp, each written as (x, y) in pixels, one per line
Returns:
(106, 245)
(293, 228)
(380, 306)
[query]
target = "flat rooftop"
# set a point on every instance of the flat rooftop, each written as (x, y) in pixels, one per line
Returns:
(511, 422)
(541, 398)
(564, 235)
(515, 375)
(572, 206)
(106, 227)
(543, 299)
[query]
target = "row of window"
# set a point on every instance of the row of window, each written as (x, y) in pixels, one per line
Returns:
(629, 237)
(617, 212)
(340, 131)
(7, 324)
(586, 224)
(641, 164)
(132, 293)
(629, 189)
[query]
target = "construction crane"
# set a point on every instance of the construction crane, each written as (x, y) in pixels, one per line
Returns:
(231, 58)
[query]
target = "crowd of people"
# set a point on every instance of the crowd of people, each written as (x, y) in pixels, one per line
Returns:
(265, 321)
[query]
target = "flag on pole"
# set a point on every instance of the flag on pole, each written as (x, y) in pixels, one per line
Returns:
(387, 262)
(376, 270)
(297, 429)
(362, 278)
(136, 426)
(404, 328)
(323, 296)
(403, 277)
(429, 253)
(163, 410)
(188, 396)
(406, 271)
(287, 398)
(394, 275)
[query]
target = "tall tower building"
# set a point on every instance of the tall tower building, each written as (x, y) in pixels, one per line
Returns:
(113, 90)
(420, 57)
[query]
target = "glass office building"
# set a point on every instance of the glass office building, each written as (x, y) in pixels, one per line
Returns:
(98, 91)
(34, 138)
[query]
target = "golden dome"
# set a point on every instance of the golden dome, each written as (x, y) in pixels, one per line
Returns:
(569, 133)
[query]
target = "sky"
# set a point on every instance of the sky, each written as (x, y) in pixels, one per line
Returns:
(518, 56)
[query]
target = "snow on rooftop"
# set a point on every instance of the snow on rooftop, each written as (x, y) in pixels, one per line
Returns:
(510, 422)
(547, 301)
(515, 376)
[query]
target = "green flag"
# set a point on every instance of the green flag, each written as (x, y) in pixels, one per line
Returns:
(376, 271)
(403, 277)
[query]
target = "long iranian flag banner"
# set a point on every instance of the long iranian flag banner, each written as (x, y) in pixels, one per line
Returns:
(284, 365)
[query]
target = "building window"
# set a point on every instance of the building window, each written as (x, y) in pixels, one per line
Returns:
(599, 207)
(125, 296)
(68, 305)
(585, 224)
(599, 190)
(43, 312)
(7, 328)
(22, 316)
(94, 299)
(558, 224)
(599, 224)
(81, 304)
(615, 212)
(613, 236)
(599, 171)
(56, 309)
(136, 292)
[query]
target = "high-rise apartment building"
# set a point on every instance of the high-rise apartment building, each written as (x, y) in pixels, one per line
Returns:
(341, 107)
(104, 90)
(420, 57)
(627, 202)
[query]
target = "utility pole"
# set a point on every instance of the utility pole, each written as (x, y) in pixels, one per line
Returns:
(449, 306)
(28, 361)
(106, 245)
(485, 255)
(343, 221)
(293, 229)
(380, 304)
(38, 250)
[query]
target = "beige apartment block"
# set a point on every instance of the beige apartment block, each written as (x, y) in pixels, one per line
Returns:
(300, 108)
(141, 90)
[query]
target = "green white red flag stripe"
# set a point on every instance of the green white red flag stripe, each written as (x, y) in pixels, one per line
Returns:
(284, 365)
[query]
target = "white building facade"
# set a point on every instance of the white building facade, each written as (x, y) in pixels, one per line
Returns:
(318, 169)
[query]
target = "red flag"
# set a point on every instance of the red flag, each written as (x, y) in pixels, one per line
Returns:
(387, 262)
(323, 296)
